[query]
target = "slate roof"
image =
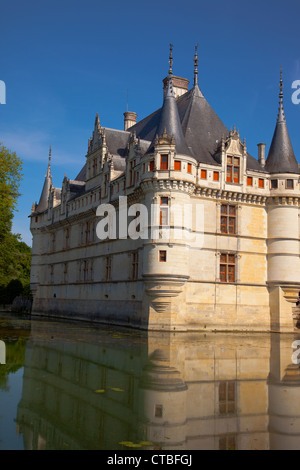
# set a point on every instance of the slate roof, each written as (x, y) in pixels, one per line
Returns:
(169, 122)
(117, 142)
(281, 158)
(43, 202)
(201, 127)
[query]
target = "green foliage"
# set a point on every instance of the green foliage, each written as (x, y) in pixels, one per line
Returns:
(15, 356)
(15, 255)
(10, 178)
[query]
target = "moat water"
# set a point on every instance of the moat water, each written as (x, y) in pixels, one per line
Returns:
(71, 385)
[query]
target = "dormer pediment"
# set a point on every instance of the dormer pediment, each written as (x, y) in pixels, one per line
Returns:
(233, 144)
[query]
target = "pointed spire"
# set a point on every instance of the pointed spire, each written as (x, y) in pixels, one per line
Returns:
(43, 202)
(281, 158)
(171, 60)
(281, 116)
(49, 164)
(196, 66)
(170, 91)
(170, 124)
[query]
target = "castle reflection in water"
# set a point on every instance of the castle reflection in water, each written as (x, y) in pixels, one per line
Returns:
(86, 388)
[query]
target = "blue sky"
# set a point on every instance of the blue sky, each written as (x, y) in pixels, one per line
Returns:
(63, 61)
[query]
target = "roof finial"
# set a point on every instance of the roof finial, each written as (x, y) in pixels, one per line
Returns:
(49, 163)
(196, 66)
(171, 60)
(280, 116)
(281, 86)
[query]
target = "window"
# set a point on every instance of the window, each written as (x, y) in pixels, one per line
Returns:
(158, 411)
(52, 246)
(94, 166)
(135, 265)
(289, 184)
(67, 238)
(51, 273)
(132, 173)
(65, 272)
(91, 265)
(261, 183)
(87, 233)
(228, 219)
(274, 184)
(233, 170)
(249, 181)
(203, 174)
(108, 269)
(227, 267)
(162, 256)
(164, 211)
(227, 397)
(177, 165)
(164, 162)
(105, 184)
(216, 176)
(151, 165)
(189, 168)
(227, 442)
(85, 270)
(36, 219)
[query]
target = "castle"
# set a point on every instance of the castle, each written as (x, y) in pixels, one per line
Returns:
(239, 271)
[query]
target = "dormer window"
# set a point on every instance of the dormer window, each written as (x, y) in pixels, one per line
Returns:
(94, 166)
(164, 162)
(233, 170)
(131, 173)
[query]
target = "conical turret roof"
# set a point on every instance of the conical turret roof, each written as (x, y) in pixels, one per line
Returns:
(281, 158)
(43, 202)
(169, 122)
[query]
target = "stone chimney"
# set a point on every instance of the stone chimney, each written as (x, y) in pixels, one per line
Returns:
(180, 85)
(129, 119)
(261, 154)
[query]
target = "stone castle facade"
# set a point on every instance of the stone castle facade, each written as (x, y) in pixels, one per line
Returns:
(242, 273)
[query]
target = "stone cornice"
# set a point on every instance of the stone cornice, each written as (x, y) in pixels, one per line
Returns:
(234, 196)
(168, 185)
(259, 199)
(284, 200)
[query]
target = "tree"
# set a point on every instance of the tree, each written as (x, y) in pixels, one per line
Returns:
(15, 255)
(10, 178)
